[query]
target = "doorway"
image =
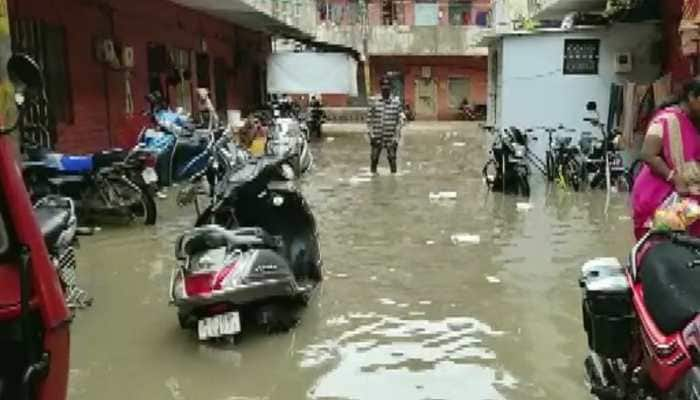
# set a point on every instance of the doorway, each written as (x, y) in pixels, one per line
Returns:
(426, 98)
(396, 79)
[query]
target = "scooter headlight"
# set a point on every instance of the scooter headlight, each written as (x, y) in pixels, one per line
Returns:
(519, 151)
(277, 201)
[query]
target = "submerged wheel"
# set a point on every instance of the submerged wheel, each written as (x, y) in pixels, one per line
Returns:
(136, 199)
(524, 186)
(490, 173)
(572, 175)
(549, 165)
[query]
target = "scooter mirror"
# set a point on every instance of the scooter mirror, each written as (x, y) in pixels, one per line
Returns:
(591, 106)
(25, 74)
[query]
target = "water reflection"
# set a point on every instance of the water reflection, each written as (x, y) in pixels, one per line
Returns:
(404, 312)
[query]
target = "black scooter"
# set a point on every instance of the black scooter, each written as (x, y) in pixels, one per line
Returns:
(253, 258)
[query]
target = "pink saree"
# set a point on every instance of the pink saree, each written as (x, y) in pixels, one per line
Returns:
(681, 152)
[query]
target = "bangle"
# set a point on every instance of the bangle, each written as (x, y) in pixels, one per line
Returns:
(671, 175)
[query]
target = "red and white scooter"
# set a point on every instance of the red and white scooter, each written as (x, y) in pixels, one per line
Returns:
(34, 318)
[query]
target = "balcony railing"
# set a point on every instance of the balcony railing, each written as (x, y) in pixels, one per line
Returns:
(403, 12)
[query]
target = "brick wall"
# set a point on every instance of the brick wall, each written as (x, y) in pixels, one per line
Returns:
(98, 93)
(443, 68)
(675, 62)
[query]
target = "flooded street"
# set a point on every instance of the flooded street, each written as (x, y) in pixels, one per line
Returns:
(405, 312)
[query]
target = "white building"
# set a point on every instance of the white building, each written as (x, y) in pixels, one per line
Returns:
(546, 77)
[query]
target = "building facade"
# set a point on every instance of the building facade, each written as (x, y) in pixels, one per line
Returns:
(428, 48)
(102, 57)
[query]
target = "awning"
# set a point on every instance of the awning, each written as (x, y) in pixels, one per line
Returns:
(240, 13)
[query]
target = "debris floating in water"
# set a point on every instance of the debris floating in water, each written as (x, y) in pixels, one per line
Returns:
(624, 218)
(442, 195)
(459, 144)
(387, 302)
(372, 278)
(465, 238)
(341, 275)
(524, 206)
(430, 242)
(425, 302)
(492, 279)
(330, 139)
(359, 179)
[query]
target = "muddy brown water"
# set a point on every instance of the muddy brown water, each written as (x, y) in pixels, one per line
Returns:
(404, 312)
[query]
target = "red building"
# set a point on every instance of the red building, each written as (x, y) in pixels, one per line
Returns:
(102, 57)
(429, 48)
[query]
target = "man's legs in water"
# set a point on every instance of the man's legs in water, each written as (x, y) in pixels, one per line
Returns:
(376, 151)
(391, 152)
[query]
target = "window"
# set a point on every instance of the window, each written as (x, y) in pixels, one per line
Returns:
(427, 12)
(46, 43)
(392, 12)
(581, 56)
(221, 84)
(203, 73)
(458, 91)
(460, 12)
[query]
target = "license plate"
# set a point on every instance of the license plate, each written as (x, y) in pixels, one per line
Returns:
(219, 325)
(149, 175)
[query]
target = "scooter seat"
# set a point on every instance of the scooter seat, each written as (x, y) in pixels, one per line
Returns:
(53, 221)
(107, 158)
(671, 286)
(212, 237)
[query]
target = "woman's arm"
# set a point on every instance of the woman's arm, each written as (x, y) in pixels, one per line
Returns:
(651, 155)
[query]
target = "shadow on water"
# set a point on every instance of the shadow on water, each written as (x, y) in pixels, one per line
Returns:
(404, 314)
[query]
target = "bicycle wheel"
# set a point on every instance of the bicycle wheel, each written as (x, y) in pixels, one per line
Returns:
(549, 164)
(572, 174)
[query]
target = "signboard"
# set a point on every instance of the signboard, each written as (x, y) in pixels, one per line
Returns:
(312, 73)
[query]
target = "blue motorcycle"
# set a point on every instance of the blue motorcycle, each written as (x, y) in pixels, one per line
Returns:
(182, 148)
(107, 183)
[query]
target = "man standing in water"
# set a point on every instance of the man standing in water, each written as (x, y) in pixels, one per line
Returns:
(384, 123)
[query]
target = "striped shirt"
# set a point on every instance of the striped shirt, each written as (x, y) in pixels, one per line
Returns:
(384, 120)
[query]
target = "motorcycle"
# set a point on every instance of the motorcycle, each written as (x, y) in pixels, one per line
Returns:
(603, 165)
(112, 183)
(34, 319)
(59, 226)
(285, 137)
(473, 112)
(642, 321)
(253, 256)
(316, 118)
(507, 170)
(408, 113)
(180, 146)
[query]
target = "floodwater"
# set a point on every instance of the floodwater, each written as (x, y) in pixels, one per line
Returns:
(405, 313)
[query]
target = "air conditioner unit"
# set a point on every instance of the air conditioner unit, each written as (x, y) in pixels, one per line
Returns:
(128, 57)
(106, 51)
(623, 62)
(426, 72)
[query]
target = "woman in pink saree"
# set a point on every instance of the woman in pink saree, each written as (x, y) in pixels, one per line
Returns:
(671, 154)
